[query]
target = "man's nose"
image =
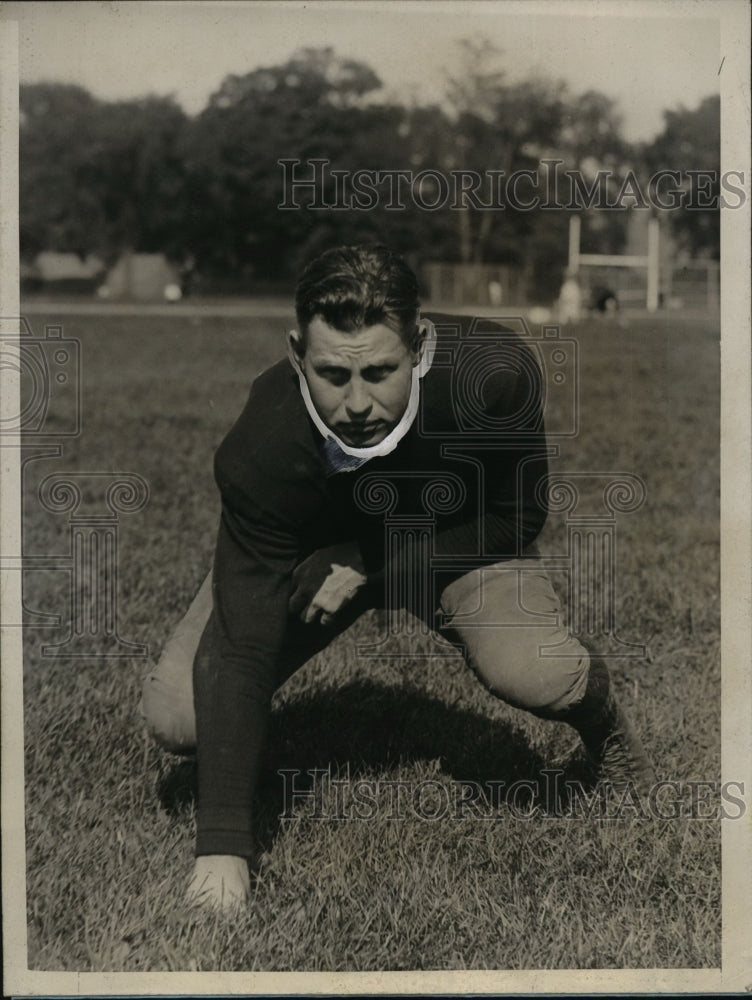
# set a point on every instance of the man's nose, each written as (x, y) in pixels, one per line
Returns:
(358, 403)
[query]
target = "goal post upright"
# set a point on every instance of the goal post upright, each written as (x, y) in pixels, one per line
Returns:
(653, 264)
(650, 261)
(574, 243)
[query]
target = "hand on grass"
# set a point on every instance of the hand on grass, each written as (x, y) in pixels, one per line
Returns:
(326, 582)
(220, 881)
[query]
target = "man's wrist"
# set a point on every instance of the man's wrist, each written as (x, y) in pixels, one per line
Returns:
(350, 575)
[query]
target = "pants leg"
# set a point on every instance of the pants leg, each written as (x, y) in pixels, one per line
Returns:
(167, 700)
(506, 618)
(501, 616)
(167, 697)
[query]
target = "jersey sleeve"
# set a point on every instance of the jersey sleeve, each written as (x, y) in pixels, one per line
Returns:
(234, 675)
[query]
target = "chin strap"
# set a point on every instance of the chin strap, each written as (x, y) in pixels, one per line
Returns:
(337, 449)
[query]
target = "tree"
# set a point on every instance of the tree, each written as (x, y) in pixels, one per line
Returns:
(314, 106)
(500, 126)
(56, 212)
(690, 141)
(137, 174)
(592, 130)
(98, 177)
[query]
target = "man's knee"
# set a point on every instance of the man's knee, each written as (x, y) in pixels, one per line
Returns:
(167, 696)
(508, 618)
(529, 679)
(167, 703)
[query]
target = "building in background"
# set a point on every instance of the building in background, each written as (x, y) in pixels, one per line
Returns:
(141, 276)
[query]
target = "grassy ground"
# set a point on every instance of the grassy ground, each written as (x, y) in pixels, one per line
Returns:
(110, 819)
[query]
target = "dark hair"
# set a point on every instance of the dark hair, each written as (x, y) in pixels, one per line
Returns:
(353, 287)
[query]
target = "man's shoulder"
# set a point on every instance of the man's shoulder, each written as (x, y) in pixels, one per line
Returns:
(279, 377)
(481, 364)
(271, 441)
(453, 327)
(273, 410)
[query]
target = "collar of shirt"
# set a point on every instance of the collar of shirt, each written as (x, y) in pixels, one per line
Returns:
(341, 457)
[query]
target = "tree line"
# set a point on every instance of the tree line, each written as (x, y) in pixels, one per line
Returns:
(107, 176)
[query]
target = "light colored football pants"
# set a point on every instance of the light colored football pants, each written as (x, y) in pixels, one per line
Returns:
(505, 618)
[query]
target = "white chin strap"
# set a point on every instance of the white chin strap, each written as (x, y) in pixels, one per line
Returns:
(392, 439)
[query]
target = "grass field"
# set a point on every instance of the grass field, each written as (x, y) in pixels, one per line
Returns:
(110, 818)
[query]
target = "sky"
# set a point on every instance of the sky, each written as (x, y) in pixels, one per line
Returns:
(646, 56)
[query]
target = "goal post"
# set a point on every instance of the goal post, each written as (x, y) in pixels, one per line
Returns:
(650, 261)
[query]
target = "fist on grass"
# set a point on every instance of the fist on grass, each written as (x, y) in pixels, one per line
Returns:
(220, 881)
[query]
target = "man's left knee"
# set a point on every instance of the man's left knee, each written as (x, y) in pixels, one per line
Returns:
(529, 679)
(566, 686)
(510, 621)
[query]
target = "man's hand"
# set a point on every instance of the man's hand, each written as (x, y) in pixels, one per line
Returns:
(326, 582)
(220, 881)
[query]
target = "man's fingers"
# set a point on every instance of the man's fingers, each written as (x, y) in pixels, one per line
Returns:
(328, 605)
(336, 590)
(335, 593)
(315, 607)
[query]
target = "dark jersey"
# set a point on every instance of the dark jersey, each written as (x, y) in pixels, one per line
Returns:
(468, 476)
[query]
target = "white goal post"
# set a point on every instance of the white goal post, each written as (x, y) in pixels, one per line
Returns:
(650, 261)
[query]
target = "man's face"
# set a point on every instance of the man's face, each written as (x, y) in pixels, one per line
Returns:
(359, 382)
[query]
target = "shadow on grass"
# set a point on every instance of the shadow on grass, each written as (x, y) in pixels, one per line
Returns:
(364, 728)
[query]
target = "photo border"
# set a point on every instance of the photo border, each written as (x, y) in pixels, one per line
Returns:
(735, 974)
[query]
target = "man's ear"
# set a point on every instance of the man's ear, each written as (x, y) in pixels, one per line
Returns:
(419, 343)
(426, 334)
(295, 347)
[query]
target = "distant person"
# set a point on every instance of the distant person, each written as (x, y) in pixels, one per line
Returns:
(570, 299)
(187, 273)
(301, 548)
(604, 301)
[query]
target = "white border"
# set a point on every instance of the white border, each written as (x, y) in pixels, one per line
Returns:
(736, 603)
(11, 637)
(736, 491)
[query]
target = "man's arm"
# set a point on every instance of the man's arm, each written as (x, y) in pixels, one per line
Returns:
(234, 674)
(512, 467)
(513, 506)
(512, 511)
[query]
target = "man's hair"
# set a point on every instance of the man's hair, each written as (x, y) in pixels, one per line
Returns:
(353, 287)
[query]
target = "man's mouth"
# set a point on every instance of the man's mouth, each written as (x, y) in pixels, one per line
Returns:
(357, 434)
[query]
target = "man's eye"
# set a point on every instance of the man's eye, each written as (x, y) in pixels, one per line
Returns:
(377, 374)
(335, 376)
